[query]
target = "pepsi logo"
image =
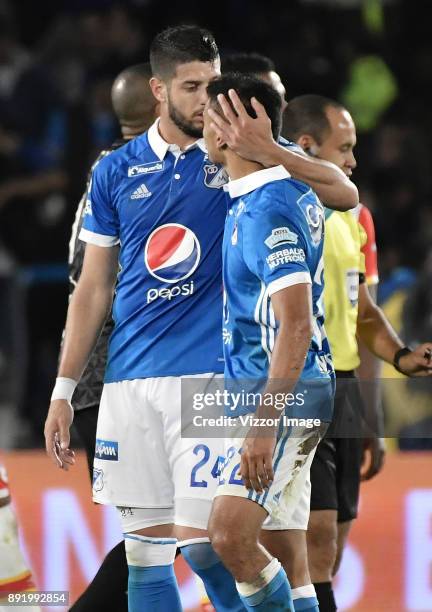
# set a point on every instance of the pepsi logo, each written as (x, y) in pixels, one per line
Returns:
(172, 253)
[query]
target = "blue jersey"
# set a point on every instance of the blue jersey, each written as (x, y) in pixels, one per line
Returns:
(167, 210)
(273, 239)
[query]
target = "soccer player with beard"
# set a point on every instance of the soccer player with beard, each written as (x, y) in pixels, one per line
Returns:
(136, 109)
(156, 207)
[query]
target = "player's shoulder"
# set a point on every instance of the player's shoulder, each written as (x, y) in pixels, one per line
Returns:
(128, 155)
(292, 146)
(345, 225)
(299, 198)
(364, 220)
(287, 198)
(284, 192)
(105, 152)
(364, 216)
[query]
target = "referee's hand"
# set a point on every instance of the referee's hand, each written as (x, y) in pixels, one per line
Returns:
(373, 457)
(57, 437)
(418, 362)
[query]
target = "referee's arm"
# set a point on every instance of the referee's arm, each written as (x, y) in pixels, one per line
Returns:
(88, 309)
(381, 339)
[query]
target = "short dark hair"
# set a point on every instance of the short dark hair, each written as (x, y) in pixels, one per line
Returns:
(180, 45)
(247, 63)
(247, 87)
(307, 115)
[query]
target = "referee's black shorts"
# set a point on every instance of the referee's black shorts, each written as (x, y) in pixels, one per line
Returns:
(335, 470)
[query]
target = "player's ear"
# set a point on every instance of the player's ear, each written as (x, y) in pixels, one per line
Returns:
(308, 144)
(220, 142)
(159, 89)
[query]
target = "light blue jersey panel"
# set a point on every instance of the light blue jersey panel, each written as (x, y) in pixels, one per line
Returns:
(273, 239)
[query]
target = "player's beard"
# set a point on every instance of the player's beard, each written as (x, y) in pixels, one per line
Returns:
(187, 127)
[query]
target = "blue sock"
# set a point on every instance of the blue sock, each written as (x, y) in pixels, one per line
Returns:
(305, 599)
(275, 595)
(219, 583)
(152, 585)
(153, 589)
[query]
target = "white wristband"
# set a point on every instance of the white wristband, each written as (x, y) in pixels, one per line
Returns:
(63, 388)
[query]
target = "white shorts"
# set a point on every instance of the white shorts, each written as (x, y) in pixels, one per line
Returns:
(142, 460)
(287, 500)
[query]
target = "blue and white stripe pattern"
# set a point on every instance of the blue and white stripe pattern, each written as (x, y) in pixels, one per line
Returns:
(273, 240)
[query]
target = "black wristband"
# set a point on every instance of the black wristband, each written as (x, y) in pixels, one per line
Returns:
(397, 357)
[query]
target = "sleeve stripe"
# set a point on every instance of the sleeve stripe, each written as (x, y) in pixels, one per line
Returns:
(372, 279)
(296, 278)
(98, 239)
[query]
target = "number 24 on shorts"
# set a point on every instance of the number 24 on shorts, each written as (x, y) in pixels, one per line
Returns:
(203, 451)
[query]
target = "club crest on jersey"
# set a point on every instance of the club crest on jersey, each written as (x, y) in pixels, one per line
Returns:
(98, 481)
(279, 236)
(214, 176)
(172, 253)
(146, 168)
(315, 218)
(314, 213)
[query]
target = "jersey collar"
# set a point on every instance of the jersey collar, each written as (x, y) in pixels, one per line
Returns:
(161, 147)
(257, 179)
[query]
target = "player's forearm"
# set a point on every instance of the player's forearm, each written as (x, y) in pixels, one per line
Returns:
(88, 310)
(330, 183)
(288, 359)
(378, 335)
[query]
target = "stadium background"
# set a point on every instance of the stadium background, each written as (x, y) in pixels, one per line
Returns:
(57, 63)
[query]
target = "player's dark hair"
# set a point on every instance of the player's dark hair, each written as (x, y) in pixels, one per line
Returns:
(247, 87)
(180, 45)
(247, 63)
(307, 115)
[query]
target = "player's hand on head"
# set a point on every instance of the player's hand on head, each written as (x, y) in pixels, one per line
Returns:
(242, 133)
(373, 457)
(256, 467)
(418, 362)
(57, 436)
